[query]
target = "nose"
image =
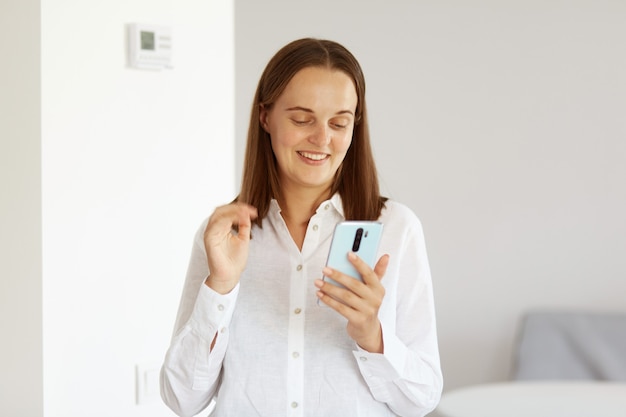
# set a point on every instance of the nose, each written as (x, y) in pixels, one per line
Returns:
(321, 136)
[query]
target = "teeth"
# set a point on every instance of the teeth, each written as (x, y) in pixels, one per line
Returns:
(314, 156)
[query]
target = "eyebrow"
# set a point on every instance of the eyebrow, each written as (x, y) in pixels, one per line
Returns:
(307, 110)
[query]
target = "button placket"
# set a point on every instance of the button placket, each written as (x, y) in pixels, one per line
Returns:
(295, 368)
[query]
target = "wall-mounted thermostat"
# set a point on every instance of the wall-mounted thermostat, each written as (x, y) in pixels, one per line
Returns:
(149, 46)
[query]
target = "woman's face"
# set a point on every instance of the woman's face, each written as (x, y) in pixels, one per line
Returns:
(311, 126)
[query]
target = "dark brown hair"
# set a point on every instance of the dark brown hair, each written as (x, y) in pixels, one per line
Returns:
(356, 180)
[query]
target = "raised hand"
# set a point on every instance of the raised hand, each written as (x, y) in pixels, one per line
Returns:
(226, 241)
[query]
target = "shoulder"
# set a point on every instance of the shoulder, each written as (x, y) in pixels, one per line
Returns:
(400, 224)
(398, 214)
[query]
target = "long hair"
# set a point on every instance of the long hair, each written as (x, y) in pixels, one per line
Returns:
(356, 180)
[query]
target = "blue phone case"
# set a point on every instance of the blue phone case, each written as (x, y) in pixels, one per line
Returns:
(345, 238)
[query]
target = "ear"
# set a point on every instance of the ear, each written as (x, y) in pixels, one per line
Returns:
(263, 118)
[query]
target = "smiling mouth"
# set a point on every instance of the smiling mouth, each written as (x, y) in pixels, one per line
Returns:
(314, 156)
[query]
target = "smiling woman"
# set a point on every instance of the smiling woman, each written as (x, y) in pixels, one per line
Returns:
(250, 332)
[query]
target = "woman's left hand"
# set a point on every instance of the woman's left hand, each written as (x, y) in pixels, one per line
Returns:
(358, 302)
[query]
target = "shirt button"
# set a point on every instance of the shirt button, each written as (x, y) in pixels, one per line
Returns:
(295, 355)
(294, 405)
(363, 358)
(297, 311)
(220, 307)
(315, 227)
(223, 330)
(326, 206)
(299, 267)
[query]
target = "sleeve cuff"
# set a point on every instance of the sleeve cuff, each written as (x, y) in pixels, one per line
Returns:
(394, 364)
(212, 311)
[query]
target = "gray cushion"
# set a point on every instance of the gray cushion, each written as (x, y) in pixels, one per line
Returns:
(572, 345)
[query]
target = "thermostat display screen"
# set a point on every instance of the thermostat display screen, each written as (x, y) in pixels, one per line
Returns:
(147, 41)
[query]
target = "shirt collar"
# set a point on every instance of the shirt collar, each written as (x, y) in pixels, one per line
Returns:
(335, 201)
(274, 211)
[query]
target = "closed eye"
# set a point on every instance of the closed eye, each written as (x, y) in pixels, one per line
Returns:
(340, 122)
(301, 122)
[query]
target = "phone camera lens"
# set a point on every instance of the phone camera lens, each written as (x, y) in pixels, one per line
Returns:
(357, 239)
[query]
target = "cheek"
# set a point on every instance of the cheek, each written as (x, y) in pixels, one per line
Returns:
(283, 142)
(343, 142)
(277, 140)
(285, 137)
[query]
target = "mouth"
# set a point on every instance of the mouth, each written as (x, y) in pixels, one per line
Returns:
(314, 156)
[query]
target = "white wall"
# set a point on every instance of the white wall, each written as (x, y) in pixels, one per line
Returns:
(131, 162)
(21, 349)
(502, 125)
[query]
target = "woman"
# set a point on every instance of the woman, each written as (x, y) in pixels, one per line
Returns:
(250, 331)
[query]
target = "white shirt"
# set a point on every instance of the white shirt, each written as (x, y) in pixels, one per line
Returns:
(279, 353)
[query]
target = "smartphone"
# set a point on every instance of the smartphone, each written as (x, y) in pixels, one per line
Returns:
(360, 237)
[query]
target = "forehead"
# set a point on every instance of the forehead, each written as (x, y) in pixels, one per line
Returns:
(320, 84)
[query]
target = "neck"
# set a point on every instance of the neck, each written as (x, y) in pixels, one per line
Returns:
(300, 205)
(297, 207)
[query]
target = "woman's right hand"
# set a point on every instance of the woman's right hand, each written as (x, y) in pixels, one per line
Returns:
(227, 252)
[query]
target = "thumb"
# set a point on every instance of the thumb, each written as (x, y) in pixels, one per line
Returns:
(381, 266)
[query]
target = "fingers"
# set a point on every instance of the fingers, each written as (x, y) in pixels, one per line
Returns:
(346, 295)
(357, 294)
(245, 215)
(237, 215)
(339, 306)
(370, 277)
